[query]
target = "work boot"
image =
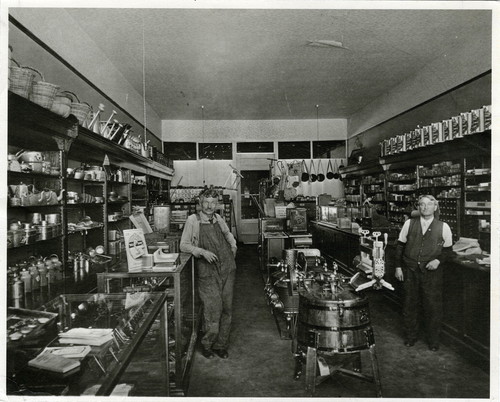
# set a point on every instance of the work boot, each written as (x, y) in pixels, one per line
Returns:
(222, 353)
(207, 353)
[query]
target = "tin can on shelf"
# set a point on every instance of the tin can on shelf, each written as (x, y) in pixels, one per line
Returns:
(15, 238)
(45, 231)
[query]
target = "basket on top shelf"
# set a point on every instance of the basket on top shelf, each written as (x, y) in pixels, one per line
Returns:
(20, 79)
(81, 110)
(43, 93)
(21, 82)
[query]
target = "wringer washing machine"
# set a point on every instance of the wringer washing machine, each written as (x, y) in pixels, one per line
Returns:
(333, 325)
(281, 288)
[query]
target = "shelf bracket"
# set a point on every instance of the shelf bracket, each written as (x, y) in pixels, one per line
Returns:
(64, 144)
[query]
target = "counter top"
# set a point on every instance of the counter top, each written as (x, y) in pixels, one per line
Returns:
(122, 268)
(353, 232)
(464, 261)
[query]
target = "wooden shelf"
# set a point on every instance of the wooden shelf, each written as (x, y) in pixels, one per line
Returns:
(459, 148)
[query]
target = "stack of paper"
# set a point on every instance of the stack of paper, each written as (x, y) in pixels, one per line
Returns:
(54, 363)
(70, 352)
(165, 261)
(86, 336)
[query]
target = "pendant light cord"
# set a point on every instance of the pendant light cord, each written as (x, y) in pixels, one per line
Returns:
(317, 122)
(203, 142)
(144, 82)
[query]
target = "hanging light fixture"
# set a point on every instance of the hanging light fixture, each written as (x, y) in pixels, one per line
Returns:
(203, 143)
(144, 84)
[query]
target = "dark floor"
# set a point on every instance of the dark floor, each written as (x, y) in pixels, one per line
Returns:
(261, 364)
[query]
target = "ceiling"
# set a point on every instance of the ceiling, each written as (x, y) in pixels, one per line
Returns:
(256, 64)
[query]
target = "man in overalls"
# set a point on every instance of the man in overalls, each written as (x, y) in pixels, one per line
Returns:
(207, 237)
(424, 243)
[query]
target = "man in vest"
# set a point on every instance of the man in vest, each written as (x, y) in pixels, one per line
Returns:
(207, 237)
(424, 243)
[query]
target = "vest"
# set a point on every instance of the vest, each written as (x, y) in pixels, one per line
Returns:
(422, 248)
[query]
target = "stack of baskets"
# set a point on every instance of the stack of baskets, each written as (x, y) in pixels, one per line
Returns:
(20, 79)
(81, 110)
(21, 82)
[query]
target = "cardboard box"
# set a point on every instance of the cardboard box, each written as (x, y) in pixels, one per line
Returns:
(437, 132)
(387, 147)
(487, 117)
(447, 130)
(476, 121)
(465, 123)
(418, 138)
(400, 147)
(456, 127)
(408, 141)
(280, 212)
(426, 136)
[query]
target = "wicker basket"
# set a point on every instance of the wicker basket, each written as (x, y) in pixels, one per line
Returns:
(20, 79)
(81, 110)
(43, 93)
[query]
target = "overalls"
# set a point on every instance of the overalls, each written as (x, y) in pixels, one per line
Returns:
(215, 286)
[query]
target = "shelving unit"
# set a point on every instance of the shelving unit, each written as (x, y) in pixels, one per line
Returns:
(462, 184)
(67, 145)
(374, 188)
(477, 198)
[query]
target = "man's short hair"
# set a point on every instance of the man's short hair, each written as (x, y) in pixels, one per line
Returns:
(209, 193)
(430, 197)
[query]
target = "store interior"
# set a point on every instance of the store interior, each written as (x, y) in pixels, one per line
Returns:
(319, 128)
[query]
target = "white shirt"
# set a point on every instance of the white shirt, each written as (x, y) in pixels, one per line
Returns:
(424, 224)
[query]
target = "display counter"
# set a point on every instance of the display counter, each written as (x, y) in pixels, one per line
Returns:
(127, 317)
(466, 294)
(180, 285)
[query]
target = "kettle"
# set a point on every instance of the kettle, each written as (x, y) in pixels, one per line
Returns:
(20, 190)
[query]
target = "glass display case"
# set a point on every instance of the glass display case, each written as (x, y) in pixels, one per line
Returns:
(180, 286)
(101, 361)
(341, 216)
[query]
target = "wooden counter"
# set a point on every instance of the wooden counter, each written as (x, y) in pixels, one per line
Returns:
(466, 294)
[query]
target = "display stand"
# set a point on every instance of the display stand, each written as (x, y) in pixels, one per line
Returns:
(180, 286)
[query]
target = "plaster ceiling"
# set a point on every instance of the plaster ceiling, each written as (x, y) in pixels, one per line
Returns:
(256, 64)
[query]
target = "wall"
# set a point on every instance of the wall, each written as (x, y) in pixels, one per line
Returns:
(454, 67)
(77, 49)
(194, 173)
(471, 95)
(220, 173)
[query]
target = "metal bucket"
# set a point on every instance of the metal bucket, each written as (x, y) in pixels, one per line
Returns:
(290, 302)
(335, 322)
(290, 257)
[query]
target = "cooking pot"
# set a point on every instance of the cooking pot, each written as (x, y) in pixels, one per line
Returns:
(72, 197)
(321, 173)
(312, 172)
(53, 218)
(20, 190)
(305, 174)
(329, 170)
(30, 156)
(37, 166)
(336, 175)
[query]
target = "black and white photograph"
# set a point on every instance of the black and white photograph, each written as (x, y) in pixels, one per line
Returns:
(282, 199)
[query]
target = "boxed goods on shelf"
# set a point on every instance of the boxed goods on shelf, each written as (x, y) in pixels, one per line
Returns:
(436, 132)
(426, 136)
(456, 127)
(465, 123)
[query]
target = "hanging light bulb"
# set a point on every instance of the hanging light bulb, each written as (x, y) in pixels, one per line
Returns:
(203, 143)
